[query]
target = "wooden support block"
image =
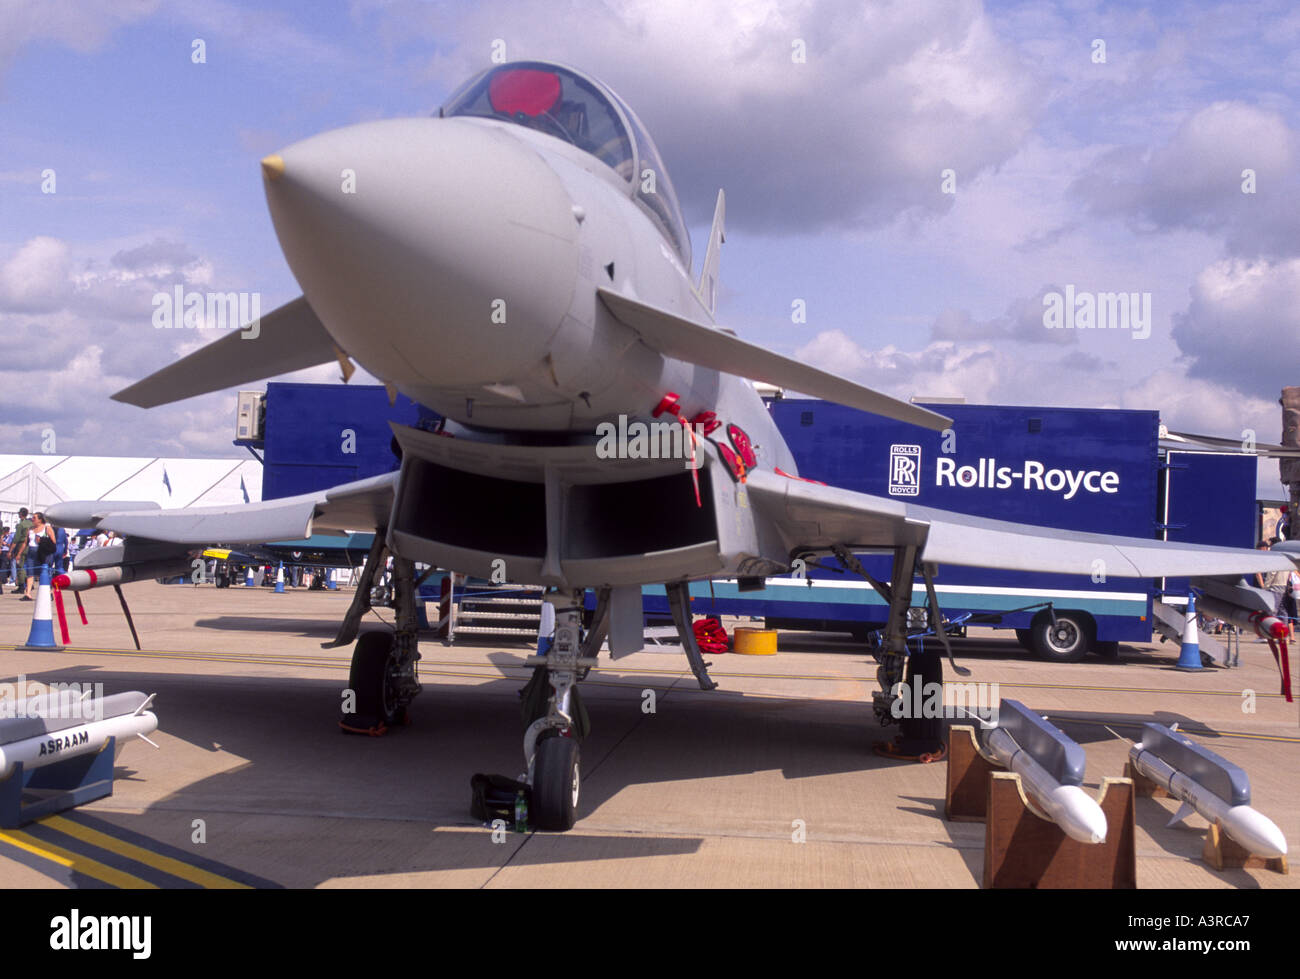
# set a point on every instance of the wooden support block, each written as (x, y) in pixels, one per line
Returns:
(968, 775)
(1222, 852)
(1021, 849)
(1143, 786)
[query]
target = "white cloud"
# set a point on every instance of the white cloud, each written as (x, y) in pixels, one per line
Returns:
(985, 373)
(82, 25)
(1242, 327)
(889, 95)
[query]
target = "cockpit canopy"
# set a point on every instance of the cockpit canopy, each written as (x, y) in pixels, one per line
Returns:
(561, 102)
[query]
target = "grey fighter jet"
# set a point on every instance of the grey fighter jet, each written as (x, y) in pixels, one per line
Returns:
(519, 263)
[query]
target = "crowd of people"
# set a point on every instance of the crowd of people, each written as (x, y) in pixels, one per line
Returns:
(33, 545)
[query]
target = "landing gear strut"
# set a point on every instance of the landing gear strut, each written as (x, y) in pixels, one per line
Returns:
(383, 679)
(902, 675)
(551, 741)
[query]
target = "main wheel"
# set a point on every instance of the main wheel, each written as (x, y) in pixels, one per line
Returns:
(1065, 641)
(371, 680)
(555, 783)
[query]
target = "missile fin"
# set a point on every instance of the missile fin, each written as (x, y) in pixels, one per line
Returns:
(1185, 810)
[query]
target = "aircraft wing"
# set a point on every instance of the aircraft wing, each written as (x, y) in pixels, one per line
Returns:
(675, 336)
(286, 339)
(811, 518)
(361, 505)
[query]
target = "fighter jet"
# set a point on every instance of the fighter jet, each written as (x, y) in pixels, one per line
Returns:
(519, 264)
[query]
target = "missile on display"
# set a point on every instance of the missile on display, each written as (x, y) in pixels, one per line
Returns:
(1207, 784)
(1050, 766)
(49, 728)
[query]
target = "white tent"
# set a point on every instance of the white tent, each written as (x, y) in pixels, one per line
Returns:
(27, 486)
(37, 481)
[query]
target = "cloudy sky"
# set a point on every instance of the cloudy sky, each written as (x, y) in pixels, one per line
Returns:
(919, 174)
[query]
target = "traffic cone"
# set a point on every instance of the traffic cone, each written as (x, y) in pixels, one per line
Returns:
(1189, 656)
(279, 579)
(42, 634)
(248, 582)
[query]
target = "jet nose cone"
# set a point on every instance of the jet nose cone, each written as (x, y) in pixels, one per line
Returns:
(436, 251)
(273, 166)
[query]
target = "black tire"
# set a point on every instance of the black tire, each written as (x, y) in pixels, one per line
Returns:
(555, 784)
(1064, 642)
(1025, 638)
(368, 678)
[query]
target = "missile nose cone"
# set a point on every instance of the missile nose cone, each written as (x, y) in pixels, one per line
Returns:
(273, 166)
(1255, 831)
(1082, 819)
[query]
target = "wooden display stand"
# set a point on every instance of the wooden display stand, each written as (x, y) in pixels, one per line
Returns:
(1023, 850)
(1220, 851)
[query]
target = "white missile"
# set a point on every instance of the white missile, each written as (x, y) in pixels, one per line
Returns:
(40, 736)
(79, 579)
(1245, 824)
(1071, 808)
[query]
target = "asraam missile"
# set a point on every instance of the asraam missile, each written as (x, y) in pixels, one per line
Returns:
(1050, 766)
(50, 730)
(79, 579)
(1208, 784)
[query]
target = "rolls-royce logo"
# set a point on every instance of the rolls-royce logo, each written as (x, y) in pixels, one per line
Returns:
(904, 470)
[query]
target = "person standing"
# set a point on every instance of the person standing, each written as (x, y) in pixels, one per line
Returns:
(40, 553)
(6, 566)
(18, 549)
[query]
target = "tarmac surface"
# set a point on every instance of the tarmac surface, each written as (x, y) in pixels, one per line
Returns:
(253, 784)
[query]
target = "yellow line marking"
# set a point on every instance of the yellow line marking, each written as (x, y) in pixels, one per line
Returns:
(82, 865)
(139, 854)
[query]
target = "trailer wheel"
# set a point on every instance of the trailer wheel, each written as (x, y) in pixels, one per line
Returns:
(1106, 650)
(1064, 642)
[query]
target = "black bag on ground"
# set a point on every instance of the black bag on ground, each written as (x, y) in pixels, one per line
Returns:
(494, 797)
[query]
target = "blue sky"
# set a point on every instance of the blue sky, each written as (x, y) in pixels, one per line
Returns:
(1114, 175)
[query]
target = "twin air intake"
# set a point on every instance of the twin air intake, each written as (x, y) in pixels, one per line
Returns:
(986, 473)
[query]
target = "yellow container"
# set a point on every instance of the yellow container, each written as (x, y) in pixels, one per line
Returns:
(755, 642)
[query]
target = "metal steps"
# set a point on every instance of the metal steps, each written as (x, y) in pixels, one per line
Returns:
(503, 611)
(1170, 620)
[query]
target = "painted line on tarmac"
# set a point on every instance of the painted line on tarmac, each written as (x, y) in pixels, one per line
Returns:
(76, 862)
(1182, 728)
(168, 865)
(109, 854)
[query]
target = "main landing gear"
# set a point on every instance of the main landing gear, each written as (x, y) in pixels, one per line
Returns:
(903, 674)
(383, 679)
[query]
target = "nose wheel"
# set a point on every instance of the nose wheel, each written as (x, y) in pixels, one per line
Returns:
(556, 783)
(551, 741)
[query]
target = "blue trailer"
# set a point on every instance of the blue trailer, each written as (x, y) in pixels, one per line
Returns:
(1102, 471)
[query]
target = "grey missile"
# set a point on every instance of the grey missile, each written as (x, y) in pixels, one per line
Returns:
(1231, 809)
(1020, 736)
